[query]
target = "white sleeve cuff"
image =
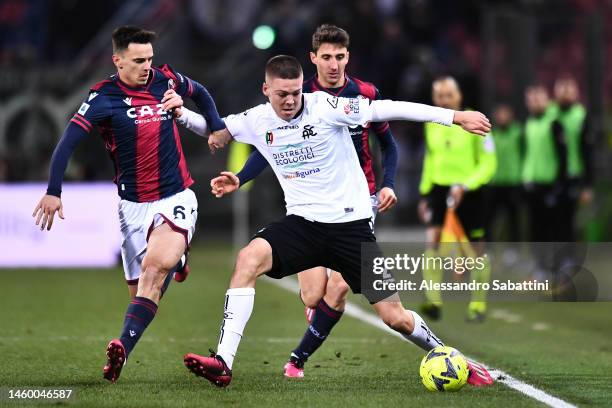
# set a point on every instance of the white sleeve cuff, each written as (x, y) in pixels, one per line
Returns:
(387, 110)
(194, 122)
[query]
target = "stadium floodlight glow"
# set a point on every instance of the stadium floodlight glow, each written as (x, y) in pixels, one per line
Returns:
(263, 37)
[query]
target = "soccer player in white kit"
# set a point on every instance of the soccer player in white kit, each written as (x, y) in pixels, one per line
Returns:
(305, 140)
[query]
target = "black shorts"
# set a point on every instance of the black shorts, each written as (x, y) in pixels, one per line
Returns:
(298, 244)
(471, 211)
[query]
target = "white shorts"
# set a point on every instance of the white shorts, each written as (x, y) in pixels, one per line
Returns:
(138, 220)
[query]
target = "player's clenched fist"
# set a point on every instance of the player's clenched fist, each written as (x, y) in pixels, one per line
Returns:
(46, 209)
(226, 183)
(172, 102)
(473, 122)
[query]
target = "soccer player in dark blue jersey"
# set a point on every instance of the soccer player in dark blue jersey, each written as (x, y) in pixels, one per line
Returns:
(157, 210)
(324, 291)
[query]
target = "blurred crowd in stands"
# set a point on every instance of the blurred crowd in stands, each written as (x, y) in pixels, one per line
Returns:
(56, 48)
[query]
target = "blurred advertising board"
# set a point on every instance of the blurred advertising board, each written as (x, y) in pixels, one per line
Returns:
(89, 236)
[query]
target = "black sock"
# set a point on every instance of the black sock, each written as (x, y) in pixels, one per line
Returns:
(324, 320)
(139, 314)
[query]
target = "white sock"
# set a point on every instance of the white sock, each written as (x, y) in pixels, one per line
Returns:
(422, 335)
(237, 311)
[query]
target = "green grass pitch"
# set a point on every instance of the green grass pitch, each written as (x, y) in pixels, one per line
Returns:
(55, 324)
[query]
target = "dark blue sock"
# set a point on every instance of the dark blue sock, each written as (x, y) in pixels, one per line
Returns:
(140, 313)
(324, 320)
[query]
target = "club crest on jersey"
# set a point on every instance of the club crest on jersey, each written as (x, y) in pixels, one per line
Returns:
(352, 106)
(269, 137)
(83, 108)
(308, 131)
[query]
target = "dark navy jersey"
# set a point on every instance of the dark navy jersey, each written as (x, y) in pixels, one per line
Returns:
(353, 88)
(141, 138)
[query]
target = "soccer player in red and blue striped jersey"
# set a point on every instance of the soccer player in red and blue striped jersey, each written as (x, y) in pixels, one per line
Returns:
(157, 210)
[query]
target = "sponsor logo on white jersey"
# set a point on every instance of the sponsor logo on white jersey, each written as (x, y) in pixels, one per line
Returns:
(301, 174)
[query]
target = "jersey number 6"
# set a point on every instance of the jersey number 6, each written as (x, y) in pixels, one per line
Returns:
(179, 210)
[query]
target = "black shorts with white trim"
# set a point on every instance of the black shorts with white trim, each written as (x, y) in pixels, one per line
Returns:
(299, 244)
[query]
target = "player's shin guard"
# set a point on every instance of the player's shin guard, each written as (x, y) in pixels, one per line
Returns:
(433, 274)
(325, 318)
(237, 311)
(478, 303)
(422, 335)
(140, 313)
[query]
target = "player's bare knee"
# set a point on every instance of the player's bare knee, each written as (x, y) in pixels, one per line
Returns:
(248, 260)
(257, 255)
(152, 277)
(311, 297)
(338, 290)
(158, 263)
(248, 264)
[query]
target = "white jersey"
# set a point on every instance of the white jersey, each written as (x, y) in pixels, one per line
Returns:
(312, 155)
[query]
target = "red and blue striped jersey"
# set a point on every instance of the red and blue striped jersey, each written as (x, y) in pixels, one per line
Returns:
(141, 138)
(353, 88)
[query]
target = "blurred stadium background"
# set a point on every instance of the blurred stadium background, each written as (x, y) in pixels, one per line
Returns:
(52, 51)
(54, 326)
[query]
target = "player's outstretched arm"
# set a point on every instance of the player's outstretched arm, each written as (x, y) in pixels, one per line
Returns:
(173, 102)
(387, 110)
(46, 209)
(192, 121)
(225, 183)
(51, 203)
(206, 105)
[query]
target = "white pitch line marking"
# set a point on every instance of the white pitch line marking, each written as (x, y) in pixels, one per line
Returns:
(505, 315)
(540, 326)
